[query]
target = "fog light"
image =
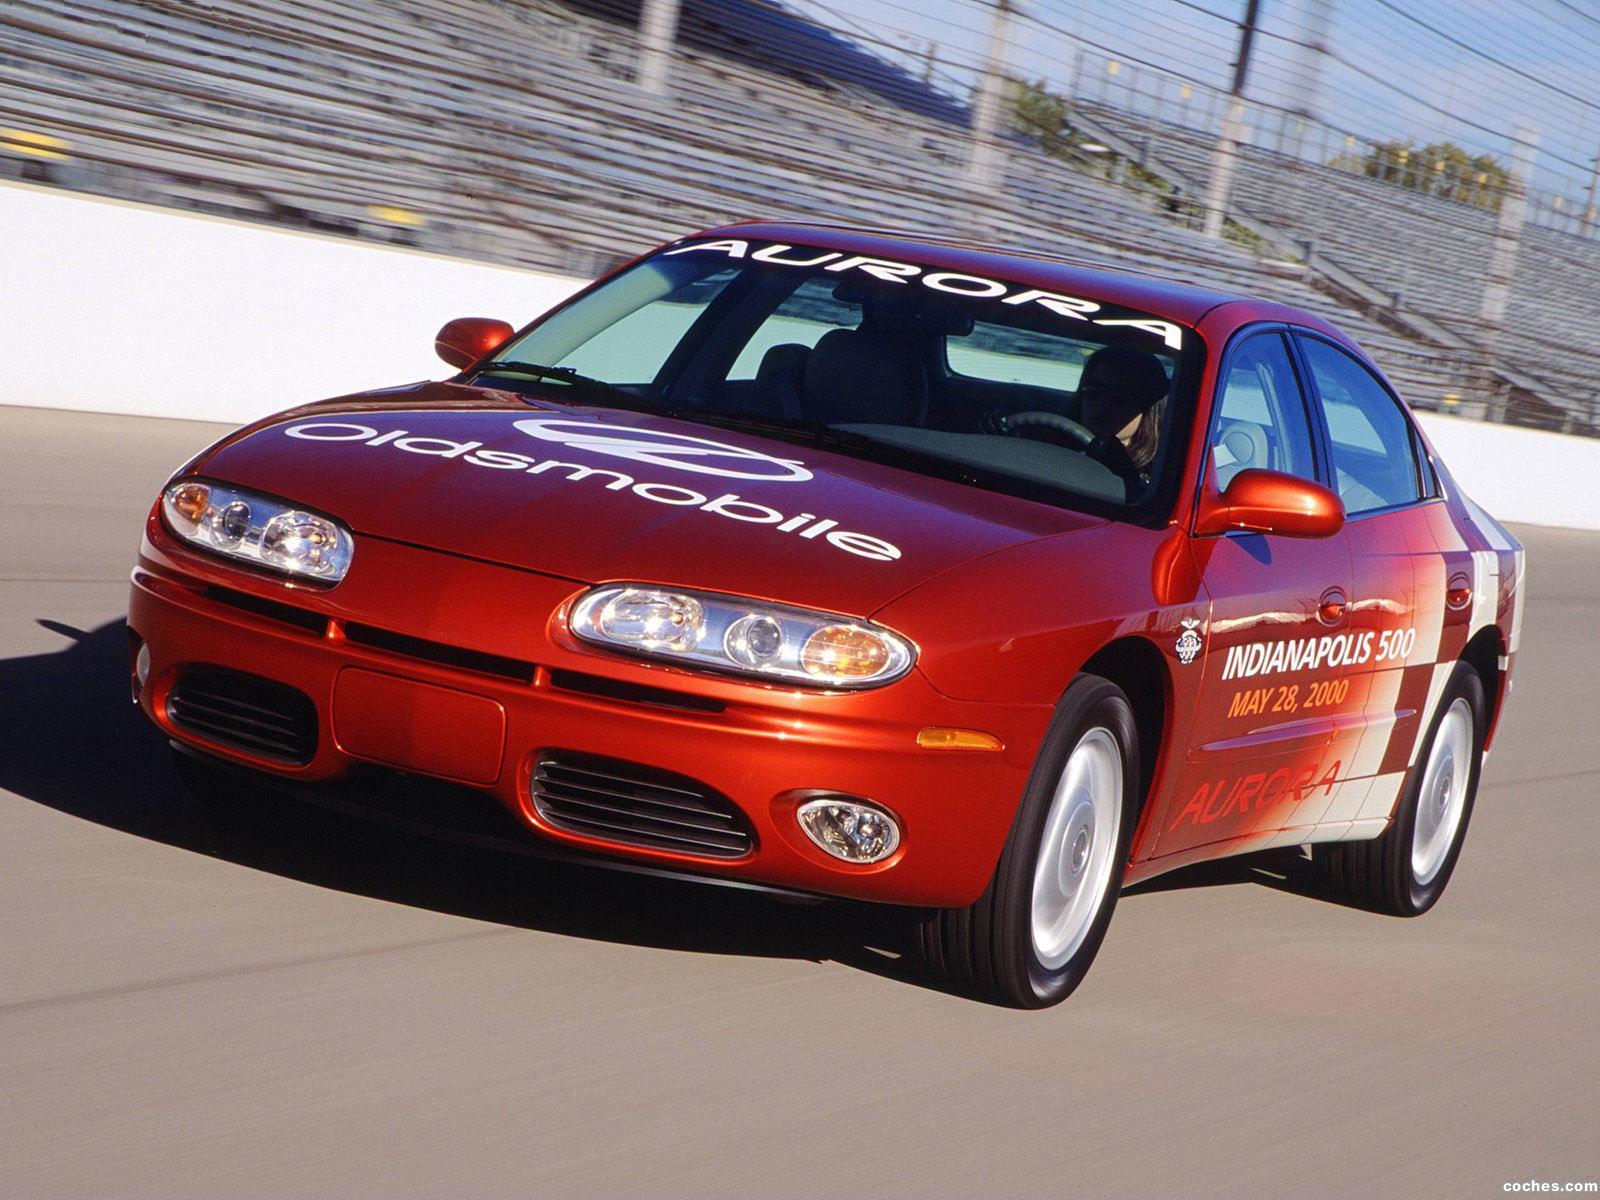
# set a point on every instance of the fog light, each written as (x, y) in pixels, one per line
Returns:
(848, 829)
(141, 664)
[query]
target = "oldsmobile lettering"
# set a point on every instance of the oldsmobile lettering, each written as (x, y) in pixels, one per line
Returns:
(699, 456)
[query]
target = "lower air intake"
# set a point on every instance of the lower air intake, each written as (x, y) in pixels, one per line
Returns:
(632, 805)
(246, 713)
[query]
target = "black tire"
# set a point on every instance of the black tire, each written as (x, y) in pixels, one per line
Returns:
(987, 950)
(1378, 874)
(215, 785)
(227, 797)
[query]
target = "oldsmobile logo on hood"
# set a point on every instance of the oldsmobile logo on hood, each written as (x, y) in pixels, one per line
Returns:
(654, 447)
(662, 449)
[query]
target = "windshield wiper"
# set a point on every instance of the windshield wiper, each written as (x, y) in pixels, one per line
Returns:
(537, 371)
(813, 432)
(843, 441)
(565, 375)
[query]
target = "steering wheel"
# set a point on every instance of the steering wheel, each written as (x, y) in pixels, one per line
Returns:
(1043, 426)
(1064, 431)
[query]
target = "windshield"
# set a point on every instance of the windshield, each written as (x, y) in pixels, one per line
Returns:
(1057, 398)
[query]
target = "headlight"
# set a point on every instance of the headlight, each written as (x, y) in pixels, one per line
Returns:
(770, 641)
(267, 533)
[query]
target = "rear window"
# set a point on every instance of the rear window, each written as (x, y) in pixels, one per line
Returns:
(1004, 354)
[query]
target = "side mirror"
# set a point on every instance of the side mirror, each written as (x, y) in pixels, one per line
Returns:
(465, 340)
(1271, 502)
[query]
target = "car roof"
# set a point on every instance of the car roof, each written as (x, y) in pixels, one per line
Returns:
(1183, 302)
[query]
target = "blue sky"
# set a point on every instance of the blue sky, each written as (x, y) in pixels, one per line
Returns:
(1417, 84)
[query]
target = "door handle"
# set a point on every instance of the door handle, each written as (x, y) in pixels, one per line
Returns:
(1331, 607)
(1458, 592)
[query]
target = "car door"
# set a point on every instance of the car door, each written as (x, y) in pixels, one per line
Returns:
(1398, 601)
(1274, 689)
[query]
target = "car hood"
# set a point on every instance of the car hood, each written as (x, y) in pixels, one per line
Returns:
(594, 494)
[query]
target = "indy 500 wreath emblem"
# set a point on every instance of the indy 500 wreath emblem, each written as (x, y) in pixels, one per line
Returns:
(1190, 643)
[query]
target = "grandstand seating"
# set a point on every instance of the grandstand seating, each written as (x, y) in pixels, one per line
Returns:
(511, 128)
(1430, 254)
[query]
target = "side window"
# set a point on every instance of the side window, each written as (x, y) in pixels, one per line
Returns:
(1261, 420)
(1374, 452)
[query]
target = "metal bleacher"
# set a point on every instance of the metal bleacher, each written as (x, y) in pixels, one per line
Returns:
(1418, 257)
(512, 131)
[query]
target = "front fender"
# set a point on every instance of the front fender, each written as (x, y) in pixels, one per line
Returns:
(1015, 626)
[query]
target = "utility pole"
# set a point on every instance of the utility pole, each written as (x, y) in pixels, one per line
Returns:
(1313, 56)
(1225, 158)
(1503, 257)
(1588, 207)
(1508, 231)
(991, 93)
(658, 28)
(1247, 37)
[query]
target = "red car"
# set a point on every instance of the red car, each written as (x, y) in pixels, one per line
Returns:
(860, 565)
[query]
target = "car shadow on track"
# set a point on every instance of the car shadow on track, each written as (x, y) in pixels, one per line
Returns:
(75, 743)
(1281, 870)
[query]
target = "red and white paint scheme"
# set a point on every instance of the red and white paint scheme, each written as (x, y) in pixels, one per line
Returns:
(834, 562)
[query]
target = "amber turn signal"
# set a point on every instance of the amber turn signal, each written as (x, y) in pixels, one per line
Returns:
(845, 652)
(189, 502)
(939, 737)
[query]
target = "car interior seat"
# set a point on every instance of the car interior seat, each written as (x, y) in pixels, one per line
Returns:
(779, 380)
(863, 376)
(1241, 445)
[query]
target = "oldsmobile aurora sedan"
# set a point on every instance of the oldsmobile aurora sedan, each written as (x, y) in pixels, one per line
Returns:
(867, 566)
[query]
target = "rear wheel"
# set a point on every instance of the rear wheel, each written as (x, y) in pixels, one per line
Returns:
(1029, 939)
(1405, 871)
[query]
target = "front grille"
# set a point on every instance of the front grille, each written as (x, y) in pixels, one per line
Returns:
(616, 689)
(246, 712)
(271, 609)
(439, 652)
(637, 806)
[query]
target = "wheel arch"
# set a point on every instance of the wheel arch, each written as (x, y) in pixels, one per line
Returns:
(1483, 653)
(1136, 666)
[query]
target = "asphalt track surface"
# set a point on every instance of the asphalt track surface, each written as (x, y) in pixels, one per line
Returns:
(328, 1008)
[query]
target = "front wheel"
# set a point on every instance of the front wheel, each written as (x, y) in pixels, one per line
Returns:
(1029, 939)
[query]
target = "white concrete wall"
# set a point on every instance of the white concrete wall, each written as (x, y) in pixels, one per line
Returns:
(1521, 475)
(112, 307)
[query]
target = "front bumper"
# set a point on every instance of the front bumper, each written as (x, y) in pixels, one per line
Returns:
(431, 687)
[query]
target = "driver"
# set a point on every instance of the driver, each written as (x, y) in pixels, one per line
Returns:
(1120, 395)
